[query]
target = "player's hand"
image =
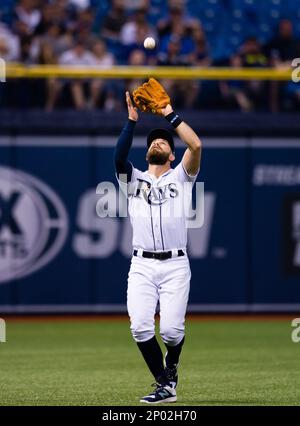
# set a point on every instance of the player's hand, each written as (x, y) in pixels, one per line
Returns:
(151, 97)
(132, 111)
(167, 110)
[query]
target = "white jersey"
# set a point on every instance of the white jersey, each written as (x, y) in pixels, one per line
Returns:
(157, 208)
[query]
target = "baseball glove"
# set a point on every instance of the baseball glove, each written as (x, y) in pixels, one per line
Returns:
(151, 97)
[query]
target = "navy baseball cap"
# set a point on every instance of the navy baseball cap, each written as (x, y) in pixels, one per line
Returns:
(161, 134)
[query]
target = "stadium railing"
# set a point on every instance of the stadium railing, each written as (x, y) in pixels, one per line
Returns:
(129, 72)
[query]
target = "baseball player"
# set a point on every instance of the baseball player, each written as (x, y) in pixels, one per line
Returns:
(160, 271)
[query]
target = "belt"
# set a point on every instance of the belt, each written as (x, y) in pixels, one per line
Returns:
(162, 255)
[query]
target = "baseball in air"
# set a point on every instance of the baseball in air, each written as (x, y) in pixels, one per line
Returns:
(149, 43)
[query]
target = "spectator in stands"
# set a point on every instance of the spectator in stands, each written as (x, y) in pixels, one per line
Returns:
(177, 48)
(234, 91)
(131, 5)
(80, 4)
(58, 37)
(166, 25)
(60, 14)
(202, 57)
(252, 55)
(134, 32)
(137, 58)
(65, 15)
(181, 31)
(84, 26)
(102, 59)
(282, 47)
(177, 17)
(56, 28)
(10, 44)
(114, 21)
(172, 52)
(53, 87)
(27, 15)
(179, 52)
(4, 49)
(79, 55)
(26, 51)
(37, 24)
(48, 18)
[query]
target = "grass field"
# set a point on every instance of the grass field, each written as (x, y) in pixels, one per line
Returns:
(95, 362)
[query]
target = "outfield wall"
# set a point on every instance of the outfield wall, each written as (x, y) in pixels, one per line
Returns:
(56, 255)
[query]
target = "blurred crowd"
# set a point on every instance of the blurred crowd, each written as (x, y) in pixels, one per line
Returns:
(68, 32)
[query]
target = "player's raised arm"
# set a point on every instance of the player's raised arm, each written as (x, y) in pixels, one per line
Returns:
(192, 156)
(152, 97)
(122, 165)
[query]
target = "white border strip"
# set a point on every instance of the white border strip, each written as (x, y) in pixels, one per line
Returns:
(193, 308)
(140, 142)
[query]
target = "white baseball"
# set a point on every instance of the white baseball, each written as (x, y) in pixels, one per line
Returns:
(149, 43)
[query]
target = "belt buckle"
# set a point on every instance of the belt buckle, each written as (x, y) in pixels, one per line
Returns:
(163, 255)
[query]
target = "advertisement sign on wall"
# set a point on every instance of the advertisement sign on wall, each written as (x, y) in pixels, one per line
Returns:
(56, 254)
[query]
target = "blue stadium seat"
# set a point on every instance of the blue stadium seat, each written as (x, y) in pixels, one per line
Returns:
(265, 32)
(198, 7)
(158, 9)
(6, 9)
(100, 4)
(101, 8)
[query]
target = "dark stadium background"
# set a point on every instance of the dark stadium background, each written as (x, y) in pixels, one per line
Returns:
(58, 135)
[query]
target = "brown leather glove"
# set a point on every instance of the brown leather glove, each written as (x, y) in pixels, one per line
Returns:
(151, 97)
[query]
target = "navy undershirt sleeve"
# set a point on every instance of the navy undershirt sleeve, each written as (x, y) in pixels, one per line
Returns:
(122, 165)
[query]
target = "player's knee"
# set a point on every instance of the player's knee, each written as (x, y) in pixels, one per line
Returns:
(141, 333)
(172, 336)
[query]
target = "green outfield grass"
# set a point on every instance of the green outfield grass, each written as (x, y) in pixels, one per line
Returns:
(224, 362)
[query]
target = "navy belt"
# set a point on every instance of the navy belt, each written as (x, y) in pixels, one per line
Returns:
(163, 255)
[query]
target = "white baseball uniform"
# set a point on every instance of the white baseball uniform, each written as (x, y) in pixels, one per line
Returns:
(157, 213)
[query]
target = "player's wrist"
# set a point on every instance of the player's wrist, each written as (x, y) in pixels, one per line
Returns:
(167, 110)
(173, 118)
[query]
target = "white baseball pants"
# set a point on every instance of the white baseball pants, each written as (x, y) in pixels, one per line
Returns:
(165, 281)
